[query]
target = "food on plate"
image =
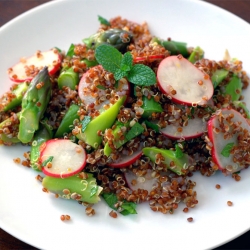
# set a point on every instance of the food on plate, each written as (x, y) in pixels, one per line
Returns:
(127, 117)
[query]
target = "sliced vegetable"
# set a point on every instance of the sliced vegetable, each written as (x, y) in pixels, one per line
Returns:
(196, 55)
(170, 158)
(234, 88)
(181, 81)
(100, 123)
(150, 106)
(62, 158)
(68, 78)
(34, 104)
(218, 76)
(26, 69)
(13, 98)
(229, 134)
(74, 187)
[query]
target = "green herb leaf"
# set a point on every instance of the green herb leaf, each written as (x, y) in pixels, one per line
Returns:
(70, 51)
(93, 191)
(85, 122)
(59, 50)
(119, 73)
(128, 208)
(103, 21)
(109, 57)
(136, 130)
(142, 75)
(100, 87)
(110, 199)
(152, 125)
(49, 159)
(178, 152)
(127, 62)
(227, 149)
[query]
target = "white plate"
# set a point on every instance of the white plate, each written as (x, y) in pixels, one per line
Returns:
(34, 217)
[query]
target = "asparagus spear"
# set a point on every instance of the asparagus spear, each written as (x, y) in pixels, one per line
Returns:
(34, 104)
(68, 78)
(43, 134)
(13, 97)
(173, 47)
(68, 120)
(74, 187)
(118, 38)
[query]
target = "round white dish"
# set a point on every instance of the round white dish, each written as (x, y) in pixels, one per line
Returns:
(34, 216)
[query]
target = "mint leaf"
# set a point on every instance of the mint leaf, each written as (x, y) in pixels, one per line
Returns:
(119, 74)
(49, 159)
(136, 130)
(227, 149)
(85, 122)
(178, 152)
(152, 125)
(142, 75)
(109, 57)
(110, 199)
(100, 87)
(128, 208)
(70, 51)
(93, 191)
(127, 62)
(103, 21)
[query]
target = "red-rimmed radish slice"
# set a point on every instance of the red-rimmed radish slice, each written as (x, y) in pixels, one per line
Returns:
(140, 182)
(150, 58)
(27, 68)
(195, 128)
(94, 86)
(126, 160)
(226, 129)
(62, 158)
(183, 82)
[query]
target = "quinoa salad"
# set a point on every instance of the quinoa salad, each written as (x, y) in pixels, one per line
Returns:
(125, 117)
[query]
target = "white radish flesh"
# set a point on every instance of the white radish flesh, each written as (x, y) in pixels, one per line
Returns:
(92, 93)
(183, 82)
(135, 182)
(126, 160)
(51, 59)
(195, 128)
(219, 141)
(65, 157)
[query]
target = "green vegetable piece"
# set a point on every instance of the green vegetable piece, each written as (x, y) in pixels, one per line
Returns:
(135, 130)
(218, 76)
(234, 88)
(85, 122)
(127, 207)
(32, 113)
(152, 125)
(70, 52)
(180, 163)
(116, 142)
(89, 63)
(68, 78)
(117, 38)
(43, 134)
(9, 139)
(103, 21)
(227, 149)
(105, 120)
(50, 159)
(150, 106)
(86, 188)
(178, 152)
(67, 121)
(196, 55)
(174, 47)
(17, 94)
(240, 104)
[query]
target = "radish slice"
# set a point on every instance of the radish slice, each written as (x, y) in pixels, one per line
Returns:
(237, 127)
(195, 128)
(183, 82)
(140, 182)
(27, 68)
(125, 161)
(62, 158)
(95, 85)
